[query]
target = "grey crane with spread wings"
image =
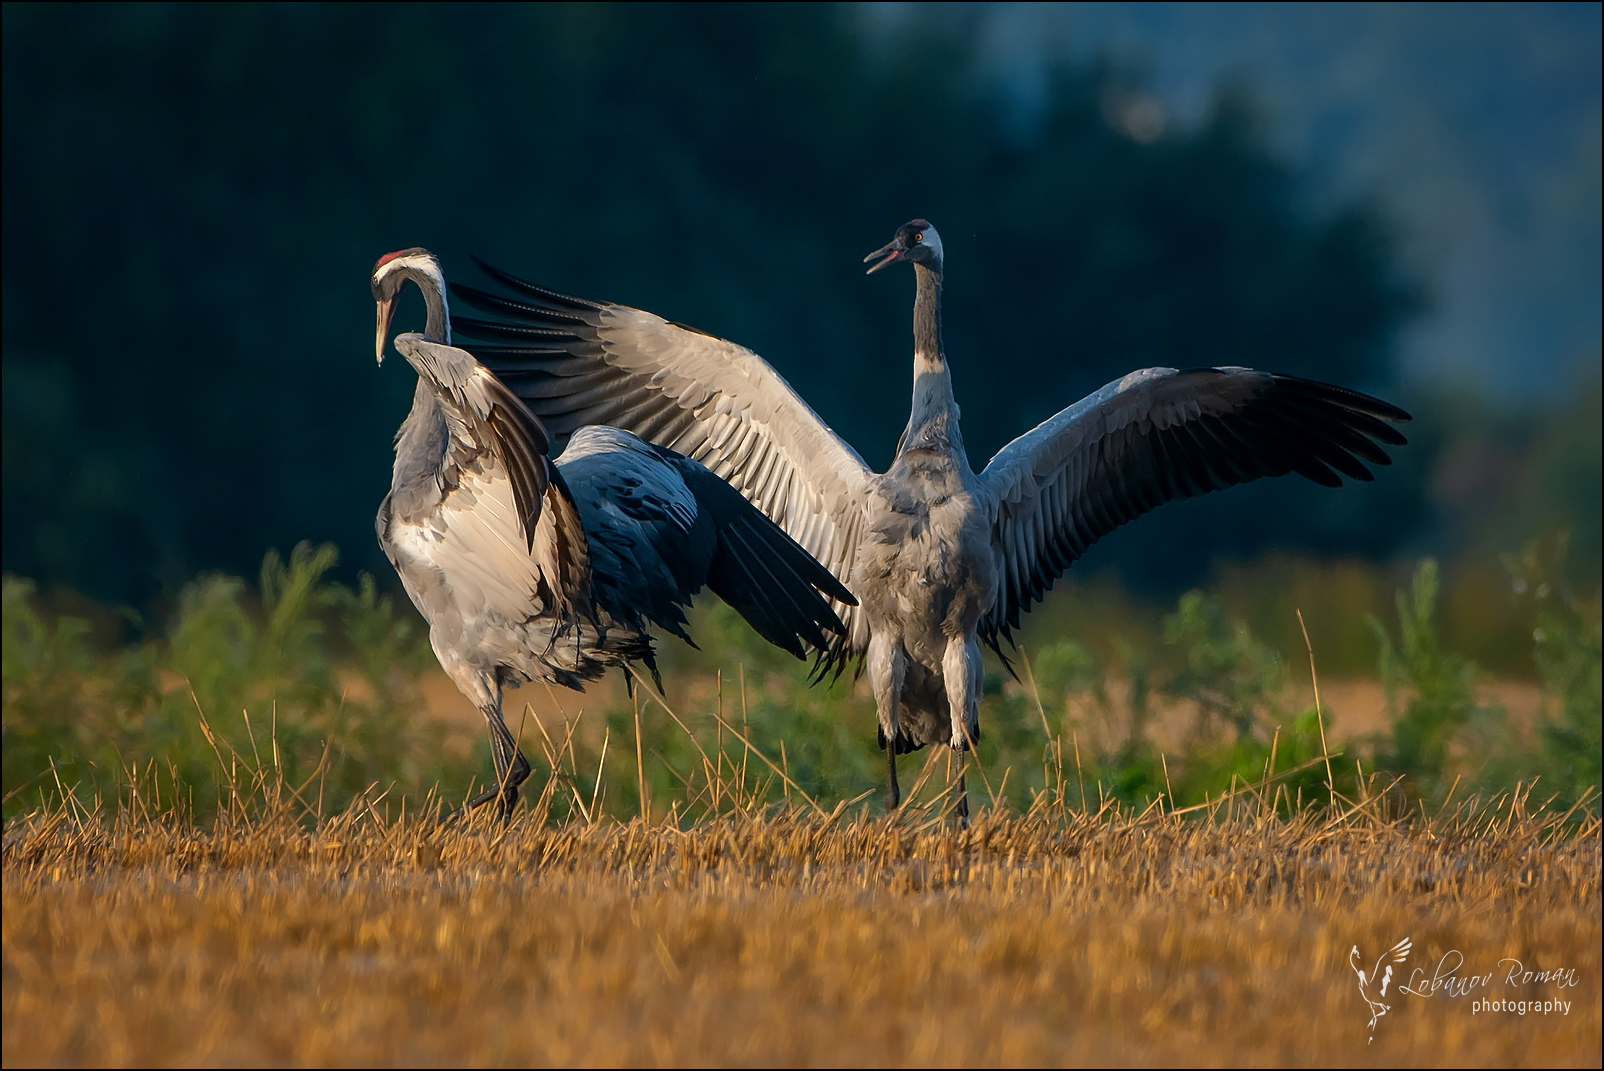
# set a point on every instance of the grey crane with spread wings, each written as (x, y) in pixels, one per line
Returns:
(940, 556)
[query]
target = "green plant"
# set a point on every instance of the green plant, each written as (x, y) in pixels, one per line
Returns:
(319, 685)
(1566, 648)
(1430, 690)
(313, 680)
(1234, 679)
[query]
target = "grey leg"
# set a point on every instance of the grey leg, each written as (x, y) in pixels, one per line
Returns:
(887, 667)
(960, 671)
(960, 792)
(512, 769)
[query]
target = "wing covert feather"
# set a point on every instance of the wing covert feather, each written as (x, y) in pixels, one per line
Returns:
(499, 485)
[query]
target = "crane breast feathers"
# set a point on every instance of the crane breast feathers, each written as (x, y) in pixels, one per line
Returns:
(1158, 435)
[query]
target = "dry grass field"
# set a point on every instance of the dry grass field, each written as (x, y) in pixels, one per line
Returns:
(788, 935)
(214, 853)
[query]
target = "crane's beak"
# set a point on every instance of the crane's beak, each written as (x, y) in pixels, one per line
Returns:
(386, 309)
(892, 251)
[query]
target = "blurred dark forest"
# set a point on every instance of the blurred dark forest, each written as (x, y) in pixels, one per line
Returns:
(194, 197)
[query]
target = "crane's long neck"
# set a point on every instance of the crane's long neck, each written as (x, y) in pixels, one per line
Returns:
(421, 439)
(437, 324)
(933, 421)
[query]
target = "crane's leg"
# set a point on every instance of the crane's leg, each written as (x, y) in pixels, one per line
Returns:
(960, 792)
(961, 673)
(512, 769)
(888, 666)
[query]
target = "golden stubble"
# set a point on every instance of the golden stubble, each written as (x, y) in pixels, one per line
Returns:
(789, 936)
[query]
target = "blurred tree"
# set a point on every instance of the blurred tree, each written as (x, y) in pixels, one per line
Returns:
(194, 195)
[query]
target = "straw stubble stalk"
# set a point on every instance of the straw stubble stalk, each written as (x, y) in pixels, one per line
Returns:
(1155, 932)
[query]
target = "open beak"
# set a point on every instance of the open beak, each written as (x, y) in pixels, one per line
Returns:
(892, 251)
(386, 308)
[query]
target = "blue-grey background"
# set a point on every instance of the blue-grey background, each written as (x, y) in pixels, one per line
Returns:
(1401, 198)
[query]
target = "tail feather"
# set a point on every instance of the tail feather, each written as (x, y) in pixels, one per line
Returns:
(763, 574)
(562, 550)
(751, 574)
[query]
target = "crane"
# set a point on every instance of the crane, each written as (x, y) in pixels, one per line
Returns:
(527, 568)
(941, 558)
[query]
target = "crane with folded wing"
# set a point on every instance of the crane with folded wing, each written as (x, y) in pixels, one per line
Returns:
(528, 568)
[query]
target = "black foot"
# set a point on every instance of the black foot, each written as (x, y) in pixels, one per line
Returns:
(893, 791)
(960, 794)
(506, 796)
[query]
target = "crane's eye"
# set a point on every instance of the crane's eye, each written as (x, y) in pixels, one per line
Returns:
(918, 236)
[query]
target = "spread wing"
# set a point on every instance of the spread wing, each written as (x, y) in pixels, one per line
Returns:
(505, 525)
(1155, 436)
(577, 362)
(1399, 952)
